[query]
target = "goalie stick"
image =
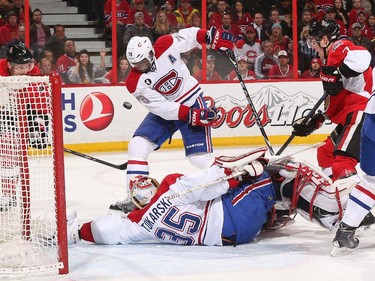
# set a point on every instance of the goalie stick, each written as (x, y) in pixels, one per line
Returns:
(88, 157)
(255, 114)
(233, 175)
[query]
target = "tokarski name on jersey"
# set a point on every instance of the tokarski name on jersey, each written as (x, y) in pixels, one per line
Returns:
(155, 213)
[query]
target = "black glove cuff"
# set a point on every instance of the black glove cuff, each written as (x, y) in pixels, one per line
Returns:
(347, 72)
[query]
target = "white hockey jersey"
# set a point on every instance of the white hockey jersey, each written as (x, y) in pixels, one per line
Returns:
(169, 83)
(194, 218)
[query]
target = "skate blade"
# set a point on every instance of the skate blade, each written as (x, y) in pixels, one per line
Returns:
(340, 251)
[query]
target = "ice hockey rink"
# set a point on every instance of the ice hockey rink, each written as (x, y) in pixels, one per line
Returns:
(297, 252)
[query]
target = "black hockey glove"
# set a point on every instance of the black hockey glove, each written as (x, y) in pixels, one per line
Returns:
(331, 80)
(301, 129)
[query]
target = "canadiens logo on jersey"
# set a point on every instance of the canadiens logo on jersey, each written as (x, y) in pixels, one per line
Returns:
(169, 84)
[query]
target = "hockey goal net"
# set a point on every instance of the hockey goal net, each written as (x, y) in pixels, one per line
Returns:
(33, 239)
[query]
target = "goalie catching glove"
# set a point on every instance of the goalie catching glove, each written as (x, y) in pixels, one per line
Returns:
(219, 40)
(303, 129)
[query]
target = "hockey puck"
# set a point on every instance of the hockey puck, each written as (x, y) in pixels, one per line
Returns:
(127, 105)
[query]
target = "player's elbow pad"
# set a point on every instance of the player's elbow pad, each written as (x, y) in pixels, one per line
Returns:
(347, 72)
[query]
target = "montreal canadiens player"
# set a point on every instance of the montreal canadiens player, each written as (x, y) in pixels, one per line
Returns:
(161, 81)
(229, 203)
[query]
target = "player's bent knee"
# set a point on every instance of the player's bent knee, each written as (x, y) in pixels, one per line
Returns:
(140, 147)
(202, 161)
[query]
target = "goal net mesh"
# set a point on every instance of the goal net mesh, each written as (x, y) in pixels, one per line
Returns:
(29, 241)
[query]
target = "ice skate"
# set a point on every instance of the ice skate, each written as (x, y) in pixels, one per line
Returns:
(125, 206)
(344, 241)
(72, 228)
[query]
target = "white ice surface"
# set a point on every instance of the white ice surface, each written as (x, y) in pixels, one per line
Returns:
(296, 252)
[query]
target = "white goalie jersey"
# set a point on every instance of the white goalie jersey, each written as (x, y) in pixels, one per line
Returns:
(195, 218)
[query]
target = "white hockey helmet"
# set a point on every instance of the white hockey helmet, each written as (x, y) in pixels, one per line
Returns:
(140, 53)
(142, 190)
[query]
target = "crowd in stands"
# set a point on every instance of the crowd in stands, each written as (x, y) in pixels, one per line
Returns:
(262, 29)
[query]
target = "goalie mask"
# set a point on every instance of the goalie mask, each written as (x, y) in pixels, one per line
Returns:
(142, 190)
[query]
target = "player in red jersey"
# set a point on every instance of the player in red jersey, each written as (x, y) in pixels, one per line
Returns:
(18, 61)
(347, 79)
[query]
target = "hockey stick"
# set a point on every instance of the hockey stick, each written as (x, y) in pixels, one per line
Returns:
(276, 158)
(255, 114)
(119, 167)
(304, 121)
(224, 178)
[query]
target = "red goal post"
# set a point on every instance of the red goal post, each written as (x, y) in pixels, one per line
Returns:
(33, 232)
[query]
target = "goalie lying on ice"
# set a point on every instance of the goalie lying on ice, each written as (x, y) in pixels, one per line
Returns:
(230, 203)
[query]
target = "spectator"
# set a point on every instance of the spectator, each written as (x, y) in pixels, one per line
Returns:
(122, 18)
(265, 61)
(314, 11)
(195, 20)
(67, 60)
(192, 59)
(306, 20)
(352, 15)
(9, 31)
(366, 31)
(341, 12)
(123, 70)
(39, 33)
(217, 18)
(241, 17)
(248, 46)
(314, 71)
(331, 15)
(321, 7)
(243, 67)
(211, 74)
(56, 42)
(4, 9)
(211, 8)
(285, 8)
(274, 17)
(305, 50)
(45, 66)
(140, 7)
(259, 27)
(283, 69)
(184, 13)
(230, 27)
(371, 24)
(137, 29)
(357, 37)
(278, 39)
(169, 9)
(84, 72)
(19, 8)
(33, 47)
(161, 26)
(49, 55)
